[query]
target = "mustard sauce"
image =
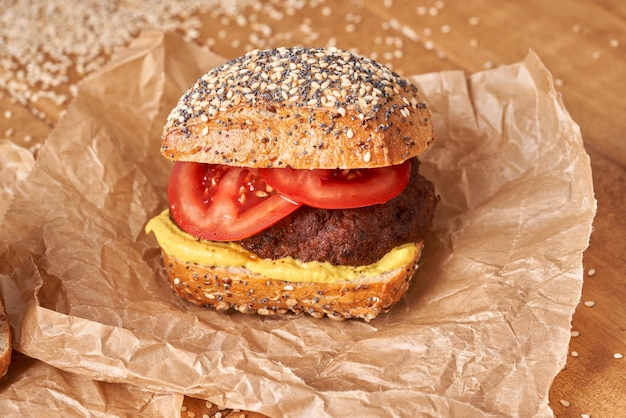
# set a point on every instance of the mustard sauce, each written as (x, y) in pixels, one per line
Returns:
(184, 246)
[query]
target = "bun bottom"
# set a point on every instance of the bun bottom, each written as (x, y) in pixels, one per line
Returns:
(5, 341)
(239, 289)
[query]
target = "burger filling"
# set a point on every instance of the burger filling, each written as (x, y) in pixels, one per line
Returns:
(179, 244)
(353, 236)
(342, 217)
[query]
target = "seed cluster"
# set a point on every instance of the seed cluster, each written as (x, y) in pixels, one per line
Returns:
(207, 409)
(297, 77)
(47, 45)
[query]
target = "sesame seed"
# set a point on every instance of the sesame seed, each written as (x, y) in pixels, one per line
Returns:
(614, 43)
(367, 157)
(410, 33)
(8, 114)
(574, 353)
(473, 21)
(288, 287)
(575, 333)
(349, 133)
(176, 281)
(589, 303)
(591, 272)
(585, 416)
(317, 77)
(564, 403)
(618, 355)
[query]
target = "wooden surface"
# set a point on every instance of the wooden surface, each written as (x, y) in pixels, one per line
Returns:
(583, 43)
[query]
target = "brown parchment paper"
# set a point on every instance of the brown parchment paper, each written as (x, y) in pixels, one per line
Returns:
(15, 164)
(482, 331)
(33, 388)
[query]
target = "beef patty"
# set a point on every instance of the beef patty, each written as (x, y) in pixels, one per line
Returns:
(352, 237)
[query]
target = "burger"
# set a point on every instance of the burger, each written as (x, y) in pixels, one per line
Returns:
(295, 186)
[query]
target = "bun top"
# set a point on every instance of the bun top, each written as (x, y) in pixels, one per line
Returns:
(301, 108)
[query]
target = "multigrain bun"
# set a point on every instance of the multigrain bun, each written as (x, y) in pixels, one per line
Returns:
(225, 288)
(5, 341)
(300, 108)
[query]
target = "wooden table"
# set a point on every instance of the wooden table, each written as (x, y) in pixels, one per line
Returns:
(583, 43)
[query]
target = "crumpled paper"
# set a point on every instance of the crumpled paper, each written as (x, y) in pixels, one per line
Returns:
(15, 164)
(482, 331)
(35, 389)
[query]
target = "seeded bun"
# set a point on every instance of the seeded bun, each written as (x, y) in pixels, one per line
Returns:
(300, 108)
(237, 288)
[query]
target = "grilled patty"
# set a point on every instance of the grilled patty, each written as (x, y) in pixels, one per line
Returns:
(352, 237)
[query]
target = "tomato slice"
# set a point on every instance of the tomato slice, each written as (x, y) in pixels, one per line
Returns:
(339, 189)
(222, 203)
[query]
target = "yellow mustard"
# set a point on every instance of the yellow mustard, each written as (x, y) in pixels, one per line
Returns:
(185, 247)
